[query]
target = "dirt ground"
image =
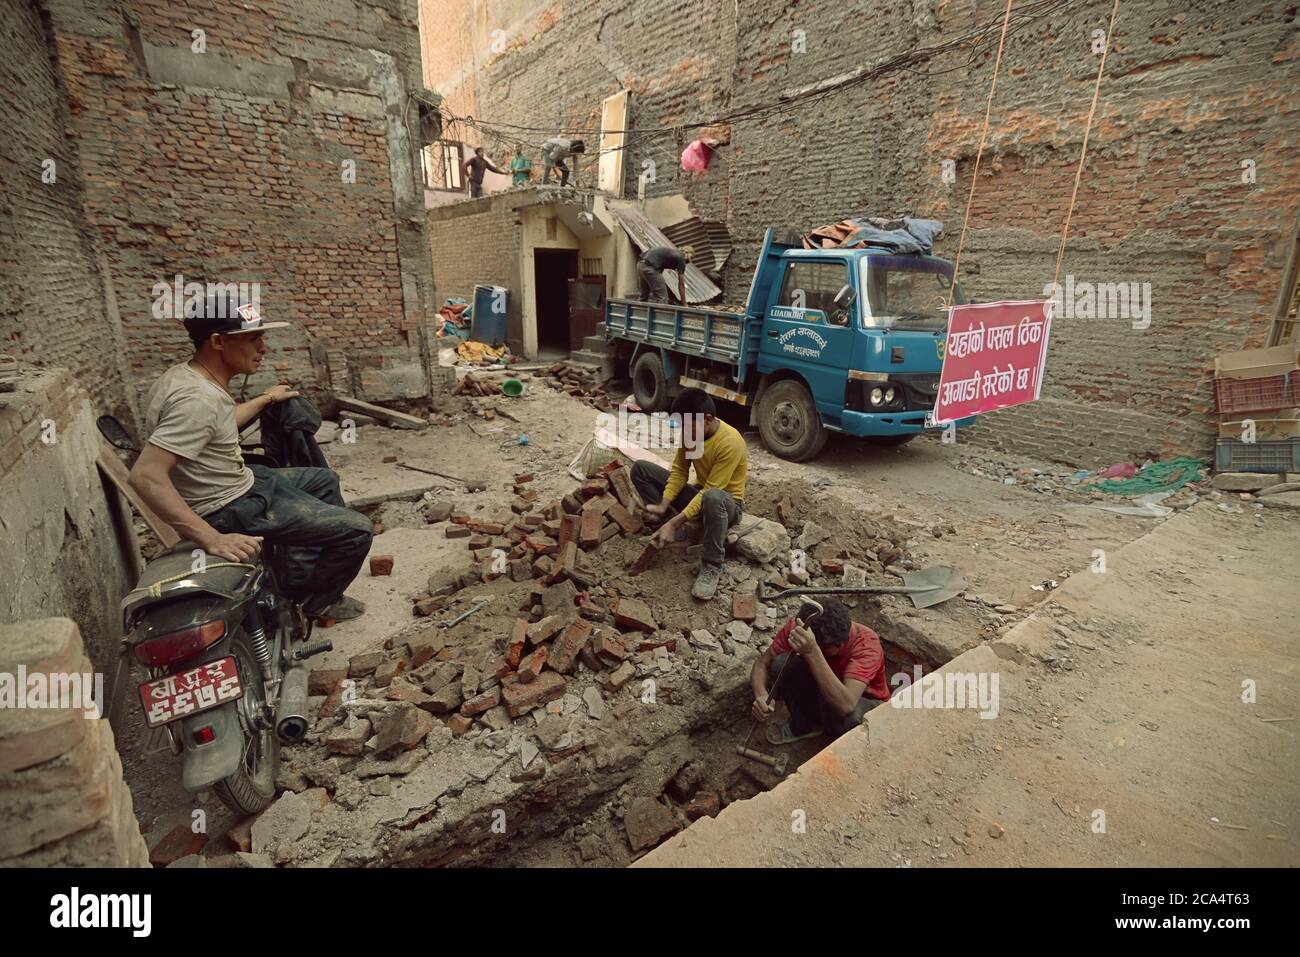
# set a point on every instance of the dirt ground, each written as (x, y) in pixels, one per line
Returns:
(937, 503)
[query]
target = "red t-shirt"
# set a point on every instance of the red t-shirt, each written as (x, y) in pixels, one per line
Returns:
(859, 658)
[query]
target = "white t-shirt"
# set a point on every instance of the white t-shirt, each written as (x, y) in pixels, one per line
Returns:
(189, 415)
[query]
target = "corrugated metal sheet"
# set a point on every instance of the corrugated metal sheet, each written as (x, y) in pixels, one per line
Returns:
(720, 240)
(691, 232)
(646, 235)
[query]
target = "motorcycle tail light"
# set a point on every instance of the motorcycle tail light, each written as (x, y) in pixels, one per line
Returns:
(180, 645)
(204, 735)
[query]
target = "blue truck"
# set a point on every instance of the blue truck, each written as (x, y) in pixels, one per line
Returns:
(830, 340)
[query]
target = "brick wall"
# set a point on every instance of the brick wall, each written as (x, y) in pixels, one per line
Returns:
(1189, 95)
(480, 246)
(53, 310)
(234, 164)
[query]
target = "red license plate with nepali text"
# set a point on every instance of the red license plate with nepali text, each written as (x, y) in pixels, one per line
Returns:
(189, 692)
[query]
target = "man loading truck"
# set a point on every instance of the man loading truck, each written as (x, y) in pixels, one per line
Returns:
(650, 268)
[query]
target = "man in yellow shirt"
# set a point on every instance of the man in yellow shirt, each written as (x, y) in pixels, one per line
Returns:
(721, 461)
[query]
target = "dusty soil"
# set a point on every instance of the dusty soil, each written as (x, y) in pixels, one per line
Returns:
(923, 504)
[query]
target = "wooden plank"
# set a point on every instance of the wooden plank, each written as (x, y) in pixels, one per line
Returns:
(399, 419)
(1280, 330)
(116, 473)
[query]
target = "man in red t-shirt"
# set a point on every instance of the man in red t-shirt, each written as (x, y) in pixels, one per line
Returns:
(836, 675)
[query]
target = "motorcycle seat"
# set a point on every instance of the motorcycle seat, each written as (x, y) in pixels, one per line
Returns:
(178, 570)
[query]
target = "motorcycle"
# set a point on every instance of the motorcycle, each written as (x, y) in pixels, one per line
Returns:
(225, 659)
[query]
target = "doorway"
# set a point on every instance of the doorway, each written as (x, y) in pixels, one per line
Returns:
(552, 270)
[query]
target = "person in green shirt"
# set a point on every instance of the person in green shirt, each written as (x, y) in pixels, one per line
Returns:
(521, 170)
(721, 460)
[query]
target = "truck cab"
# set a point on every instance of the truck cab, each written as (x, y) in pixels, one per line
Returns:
(849, 340)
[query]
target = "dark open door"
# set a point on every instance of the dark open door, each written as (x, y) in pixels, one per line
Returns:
(586, 309)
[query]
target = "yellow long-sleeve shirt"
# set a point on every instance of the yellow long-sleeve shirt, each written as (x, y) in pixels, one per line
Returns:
(724, 464)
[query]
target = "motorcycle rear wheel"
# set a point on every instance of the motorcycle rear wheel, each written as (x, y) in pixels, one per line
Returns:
(251, 789)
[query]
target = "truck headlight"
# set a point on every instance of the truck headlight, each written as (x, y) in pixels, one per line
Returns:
(889, 395)
(877, 396)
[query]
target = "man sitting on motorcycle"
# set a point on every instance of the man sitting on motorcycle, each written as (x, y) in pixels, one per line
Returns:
(193, 474)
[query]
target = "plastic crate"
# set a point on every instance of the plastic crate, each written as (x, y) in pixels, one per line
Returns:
(1232, 455)
(1257, 395)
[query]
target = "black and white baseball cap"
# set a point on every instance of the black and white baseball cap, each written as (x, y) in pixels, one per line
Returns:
(227, 311)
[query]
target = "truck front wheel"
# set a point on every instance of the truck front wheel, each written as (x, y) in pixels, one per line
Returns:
(649, 386)
(789, 423)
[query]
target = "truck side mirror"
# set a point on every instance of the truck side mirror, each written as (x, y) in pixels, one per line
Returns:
(845, 297)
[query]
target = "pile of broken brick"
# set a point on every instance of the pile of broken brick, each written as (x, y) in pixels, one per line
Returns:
(580, 381)
(560, 622)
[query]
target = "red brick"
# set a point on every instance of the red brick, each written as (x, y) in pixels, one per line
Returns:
(593, 487)
(240, 836)
(177, 843)
(644, 560)
(744, 606)
(600, 504)
(460, 518)
(546, 629)
(631, 613)
(492, 528)
(589, 531)
(609, 647)
(524, 477)
(325, 680)
(565, 562)
(532, 666)
(480, 541)
(381, 564)
(459, 724)
(541, 544)
(570, 526)
(670, 644)
(564, 651)
(528, 495)
(704, 804)
(520, 698)
(832, 566)
(425, 607)
(480, 703)
(620, 482)
(458, 531)
(515, 645)
(629, 523)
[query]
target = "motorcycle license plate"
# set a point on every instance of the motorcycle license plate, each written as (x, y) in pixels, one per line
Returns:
(189, 692)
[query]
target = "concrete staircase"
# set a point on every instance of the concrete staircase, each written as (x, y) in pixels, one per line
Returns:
(597, 353)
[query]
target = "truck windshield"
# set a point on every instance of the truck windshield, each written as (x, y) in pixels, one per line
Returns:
(908, 291)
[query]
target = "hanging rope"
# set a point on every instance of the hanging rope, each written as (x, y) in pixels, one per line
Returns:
(988, 107)
(1083, 153)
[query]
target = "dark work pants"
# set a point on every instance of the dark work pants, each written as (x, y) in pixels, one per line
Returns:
(475, 189)
(808, 709)
(653, 287)
(559, 164)
(718, 512)
(302, 510)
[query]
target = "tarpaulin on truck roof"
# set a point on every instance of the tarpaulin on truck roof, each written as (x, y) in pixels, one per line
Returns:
(646, 235)
(900, 235)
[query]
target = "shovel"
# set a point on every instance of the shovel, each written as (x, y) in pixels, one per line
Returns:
(929, 586)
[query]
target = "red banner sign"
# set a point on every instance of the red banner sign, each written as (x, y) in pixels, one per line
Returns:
(994, 357)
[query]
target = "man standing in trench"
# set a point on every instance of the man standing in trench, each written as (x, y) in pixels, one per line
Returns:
(834, 673)
(192, 472)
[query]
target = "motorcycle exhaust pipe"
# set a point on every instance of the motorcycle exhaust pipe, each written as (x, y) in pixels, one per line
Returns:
(291, 713)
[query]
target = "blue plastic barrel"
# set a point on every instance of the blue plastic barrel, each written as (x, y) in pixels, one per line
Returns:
(489, 319)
